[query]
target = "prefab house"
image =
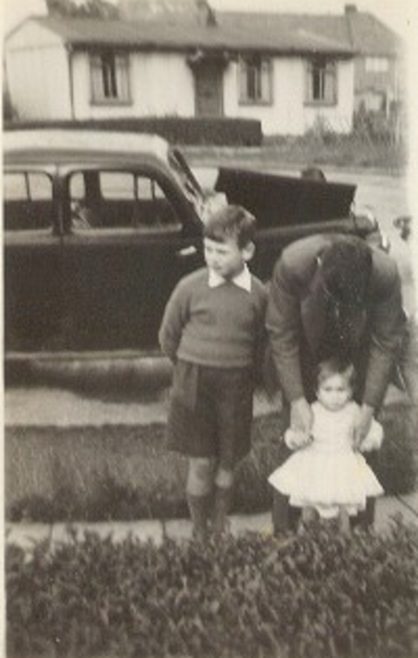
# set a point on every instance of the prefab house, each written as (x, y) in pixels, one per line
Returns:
(290, 77)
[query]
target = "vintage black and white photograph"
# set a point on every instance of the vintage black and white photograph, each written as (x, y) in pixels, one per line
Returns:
(210, 329)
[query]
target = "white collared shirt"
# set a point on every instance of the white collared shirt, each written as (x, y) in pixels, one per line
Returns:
(242, 280)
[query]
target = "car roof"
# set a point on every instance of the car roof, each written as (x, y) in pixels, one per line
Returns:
(58, 146)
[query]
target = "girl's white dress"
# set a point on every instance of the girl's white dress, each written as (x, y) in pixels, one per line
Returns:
(327, 474)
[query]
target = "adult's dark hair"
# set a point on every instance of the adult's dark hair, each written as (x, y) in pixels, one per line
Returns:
(231, 222)
(313, 173)
(346, 265)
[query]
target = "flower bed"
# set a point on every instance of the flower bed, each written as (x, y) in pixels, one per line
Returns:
(318, 595)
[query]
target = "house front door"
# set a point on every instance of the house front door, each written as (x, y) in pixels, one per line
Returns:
(209, 89)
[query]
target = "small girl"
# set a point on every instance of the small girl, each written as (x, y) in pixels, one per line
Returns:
(325, 476)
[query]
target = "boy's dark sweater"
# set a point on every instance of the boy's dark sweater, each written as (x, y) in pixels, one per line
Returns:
(219, 327)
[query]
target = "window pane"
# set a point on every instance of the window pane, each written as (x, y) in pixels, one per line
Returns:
(109, 77)
(265, 81)
(251, 83)
(377, 64)
(144, 188)
(40, 186)
(77, 187)
(117, 185)
(23, 212)
(316, 84)
(321, 82)
(242, 80)
(254, 79)
(14, 187)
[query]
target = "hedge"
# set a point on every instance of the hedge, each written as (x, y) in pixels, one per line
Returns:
(316, 595)
(177, 130)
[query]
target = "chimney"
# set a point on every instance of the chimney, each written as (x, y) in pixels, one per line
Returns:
(206, 14)
(350, 9)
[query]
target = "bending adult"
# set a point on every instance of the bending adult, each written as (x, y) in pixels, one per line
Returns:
(334, 295)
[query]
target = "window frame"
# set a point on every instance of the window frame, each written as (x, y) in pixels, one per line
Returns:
(327, 69)
(111, 68)
(255, 62)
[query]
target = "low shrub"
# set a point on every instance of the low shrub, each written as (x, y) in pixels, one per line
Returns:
(317, 595)
(219, 131)
(321, 147)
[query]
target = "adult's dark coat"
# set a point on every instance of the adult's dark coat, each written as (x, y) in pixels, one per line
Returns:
(296, 321)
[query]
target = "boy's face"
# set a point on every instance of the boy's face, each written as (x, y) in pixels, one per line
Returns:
(334, 392)
(226, 258)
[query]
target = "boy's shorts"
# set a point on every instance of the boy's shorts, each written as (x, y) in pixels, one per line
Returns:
(211, 412)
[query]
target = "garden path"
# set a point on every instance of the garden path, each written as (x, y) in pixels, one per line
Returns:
(26, 534)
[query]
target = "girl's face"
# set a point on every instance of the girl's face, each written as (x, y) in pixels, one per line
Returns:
(334, 392)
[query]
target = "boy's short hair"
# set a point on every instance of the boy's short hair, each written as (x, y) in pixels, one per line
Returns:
(346, 266)
(231, 222)
(335, 366)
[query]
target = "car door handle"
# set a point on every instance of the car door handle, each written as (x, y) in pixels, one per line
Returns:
(186, 252)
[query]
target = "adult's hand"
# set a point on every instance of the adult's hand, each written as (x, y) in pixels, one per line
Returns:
(362, 424)
(301, 416)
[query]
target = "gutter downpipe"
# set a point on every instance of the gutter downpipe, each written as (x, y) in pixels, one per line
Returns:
(70, 73)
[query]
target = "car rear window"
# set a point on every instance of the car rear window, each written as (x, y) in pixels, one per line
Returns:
(119, 199)
(27, 201)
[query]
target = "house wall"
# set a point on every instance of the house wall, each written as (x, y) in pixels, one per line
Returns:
(288, 113)
(160, 84)
(36, 64)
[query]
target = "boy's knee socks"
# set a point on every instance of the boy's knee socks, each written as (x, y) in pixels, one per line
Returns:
(221, 506)
(200, 476)
(199, 509)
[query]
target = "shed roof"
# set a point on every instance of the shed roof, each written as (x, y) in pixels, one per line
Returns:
(240, 35)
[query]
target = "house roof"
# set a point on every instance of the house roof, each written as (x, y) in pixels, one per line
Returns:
(344, 34)
(292, 38)
(370, 36)
(358, 30)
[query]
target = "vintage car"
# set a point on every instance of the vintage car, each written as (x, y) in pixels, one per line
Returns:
(99, 227)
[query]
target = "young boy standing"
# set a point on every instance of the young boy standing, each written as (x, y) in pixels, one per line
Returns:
(213, 332)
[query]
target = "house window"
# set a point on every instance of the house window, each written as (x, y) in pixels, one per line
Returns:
(110, 78)
(255, 86)
(321, 85)
(377, 64)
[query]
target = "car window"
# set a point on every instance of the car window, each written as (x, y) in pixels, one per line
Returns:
(119, 199)
(27, 201)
